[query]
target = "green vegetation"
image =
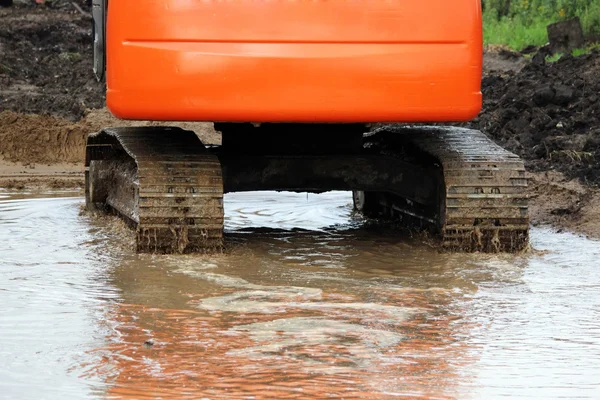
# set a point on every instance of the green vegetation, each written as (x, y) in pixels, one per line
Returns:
(575, 53)
(518, 23)
(572, 155)
(70, 56)
(554, 57)
(588, 49)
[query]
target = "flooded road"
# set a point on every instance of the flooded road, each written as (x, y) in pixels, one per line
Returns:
(308, 302)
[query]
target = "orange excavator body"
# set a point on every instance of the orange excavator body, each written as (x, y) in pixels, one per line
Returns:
(294, 61)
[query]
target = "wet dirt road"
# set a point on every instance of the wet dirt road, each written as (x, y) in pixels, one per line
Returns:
(333, 310)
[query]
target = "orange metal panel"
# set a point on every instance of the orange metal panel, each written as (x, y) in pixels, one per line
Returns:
(294, 60)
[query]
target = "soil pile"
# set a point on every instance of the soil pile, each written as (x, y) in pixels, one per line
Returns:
(46, 61)
(41, 139)
(549, 114)
(47, 139)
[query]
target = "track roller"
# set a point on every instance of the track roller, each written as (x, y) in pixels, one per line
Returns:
(160, 180)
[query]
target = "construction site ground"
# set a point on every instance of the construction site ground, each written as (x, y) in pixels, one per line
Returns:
(549, 113)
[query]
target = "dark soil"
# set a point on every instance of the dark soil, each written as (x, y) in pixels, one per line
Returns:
(46, 60)
(549, 114)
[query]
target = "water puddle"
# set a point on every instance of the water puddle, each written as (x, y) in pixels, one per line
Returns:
(308, 303)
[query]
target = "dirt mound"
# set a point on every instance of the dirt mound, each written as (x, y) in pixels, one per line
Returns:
(501, 58)
(102, 118)
(549, 114)
(564, 203)
(46, 63)
(46, 139)
(41, 139)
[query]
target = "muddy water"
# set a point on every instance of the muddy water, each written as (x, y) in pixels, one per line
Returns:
(309, 302)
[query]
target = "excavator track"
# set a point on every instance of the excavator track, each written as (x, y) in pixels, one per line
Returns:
(483, 202)
(162, 181)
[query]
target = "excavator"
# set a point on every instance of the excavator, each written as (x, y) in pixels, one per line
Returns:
(309, 96)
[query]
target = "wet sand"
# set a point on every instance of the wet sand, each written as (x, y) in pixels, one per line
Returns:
(308, 302)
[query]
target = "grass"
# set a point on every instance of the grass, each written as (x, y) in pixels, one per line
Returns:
(70, 56)
(587, 50)
(574, 156)
(513, 33)
(554, 57)
(4, 69)
(524, 22)
(575, 53)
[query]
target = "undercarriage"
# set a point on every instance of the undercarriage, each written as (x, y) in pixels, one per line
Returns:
(452, 182)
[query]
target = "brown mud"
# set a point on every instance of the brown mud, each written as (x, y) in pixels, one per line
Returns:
(498, 59)
(565, 203)
(22, 136)
(40, 152)
(50, 100)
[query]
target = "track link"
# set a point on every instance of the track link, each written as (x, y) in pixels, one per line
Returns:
(483, 197)
(162, 181)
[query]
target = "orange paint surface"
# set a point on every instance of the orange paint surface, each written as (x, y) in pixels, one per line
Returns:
(294, 60)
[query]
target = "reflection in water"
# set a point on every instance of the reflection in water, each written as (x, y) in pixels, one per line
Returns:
(333, 310)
